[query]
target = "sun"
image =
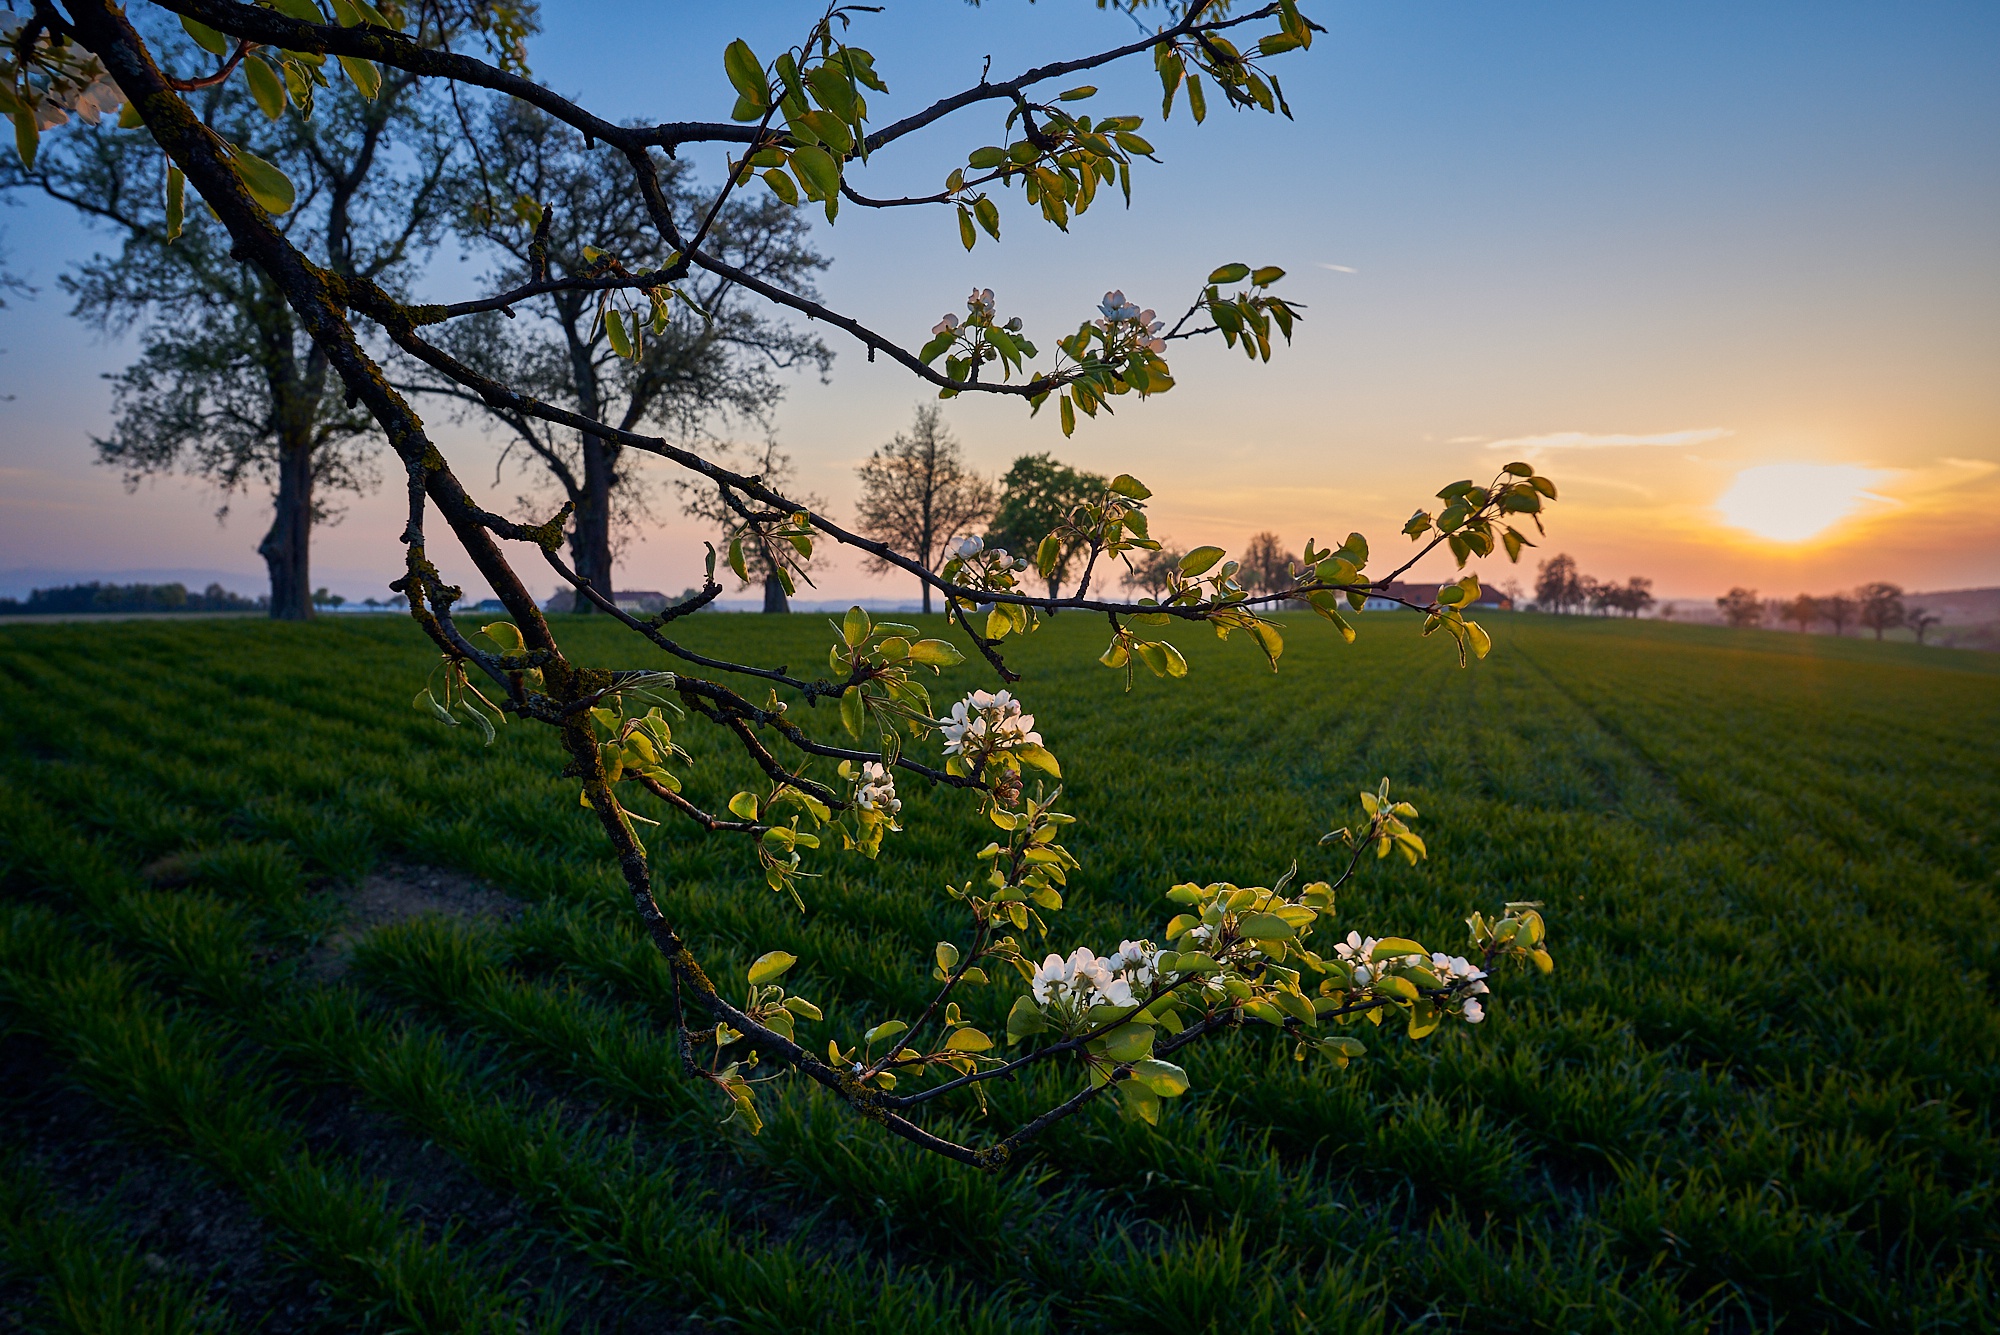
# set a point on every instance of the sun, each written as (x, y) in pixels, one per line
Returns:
(1794, 502)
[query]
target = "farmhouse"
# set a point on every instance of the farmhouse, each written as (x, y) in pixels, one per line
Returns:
(1425, 594)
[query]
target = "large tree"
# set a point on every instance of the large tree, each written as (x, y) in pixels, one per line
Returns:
(1879, 606)
(1102, 1025)
(917, 495)
(1038, 497)
(228, 385)
(550, 207)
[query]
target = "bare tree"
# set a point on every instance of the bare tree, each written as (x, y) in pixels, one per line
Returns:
(1152, 572)
(1838, 610)
(1801, 611)
(1741, 607)
(1879, 606)
(917, 495)
(1266, 563)
(1920, 620)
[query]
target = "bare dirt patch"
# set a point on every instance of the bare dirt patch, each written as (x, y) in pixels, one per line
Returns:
(394, 892)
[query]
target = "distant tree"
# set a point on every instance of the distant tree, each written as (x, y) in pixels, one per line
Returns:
(1152, 571)
(1670, 611)
(1741, 607)
(321, 598)
(1635, 597)
(696, 363)
(1036, 496)
(1879, 606)
(1558, 585)
(1265, 564)
(753, 536)
(1839, 610)
(917, 495)
(1515, 597)
(228, 386)
(1802, 610)
(1920, 620)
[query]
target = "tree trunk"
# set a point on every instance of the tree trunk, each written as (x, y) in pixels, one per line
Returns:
(774, 594)
(590, 543)
(287, 548)
(927, 595)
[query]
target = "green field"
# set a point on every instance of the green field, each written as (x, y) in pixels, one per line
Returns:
(1759, 1089)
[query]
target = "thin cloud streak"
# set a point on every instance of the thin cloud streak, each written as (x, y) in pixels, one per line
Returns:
(1588, 440)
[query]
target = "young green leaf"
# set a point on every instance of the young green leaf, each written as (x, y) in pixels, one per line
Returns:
(771, 966)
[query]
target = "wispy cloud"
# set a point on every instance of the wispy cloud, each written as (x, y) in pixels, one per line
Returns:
(1594, 440)
(1338, 268)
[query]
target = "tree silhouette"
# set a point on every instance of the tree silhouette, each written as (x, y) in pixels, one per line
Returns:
(917, 495)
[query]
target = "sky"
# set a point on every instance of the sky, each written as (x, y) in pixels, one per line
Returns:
(1728, 273)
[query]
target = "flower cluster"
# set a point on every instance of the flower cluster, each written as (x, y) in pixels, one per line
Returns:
(877, 790)
(1466, 979)
(77, 80)
(980, 311)
(1123, 320)
(1085, 980)
(983, 723)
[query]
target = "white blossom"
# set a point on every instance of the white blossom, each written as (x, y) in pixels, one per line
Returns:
(968, 547)
(1472, 1011)
(1136, 961)
(1079, 982)
(985, 722)
(980, 303)
(877, 791)
(946, 325)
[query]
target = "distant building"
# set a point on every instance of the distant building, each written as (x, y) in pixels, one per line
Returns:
(1423, 595)
(637, 602)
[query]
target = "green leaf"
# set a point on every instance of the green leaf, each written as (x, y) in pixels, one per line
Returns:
(1078, 94)
(1395, 947)
(855, 626)
(946, 955)
(205, 37)
(614, 326)
(746, 73)
(1025, 1019)
(1128, 1042)
(1163, 1078)
(802, 1008)
(936, 653)
(1230, 273)
(1201, 560)
(853, 710)
(266, 88)
(1039, 757)
(968, 235)
(744, 806)
(176, 201)
(771, 966)
(267, 185)
(1265, 927)
(1269, 640)
(818, 170)
(968, 1039)
(1048, 554)
(1127, 485)
(1266, 276)
(305, 11)
(988, 214)
(366, 76)
(886, 1029)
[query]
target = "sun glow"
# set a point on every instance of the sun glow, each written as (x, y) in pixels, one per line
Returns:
(1794, 502)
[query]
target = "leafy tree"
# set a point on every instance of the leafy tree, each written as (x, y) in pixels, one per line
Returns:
(1636, 596)
(1740, 607)
(801, 126)
(1559, 586)
(1879, 607)
(229, 385)
(1838, 610)
(1267, 563)
(1802, 611)
(1037, 497)
(550, 208)
(917, 495)
(1920, 620)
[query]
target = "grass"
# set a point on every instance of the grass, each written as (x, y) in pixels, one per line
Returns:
(1757, 1092)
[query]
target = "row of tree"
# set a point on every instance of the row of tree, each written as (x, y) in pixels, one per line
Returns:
(1562, 587)
(1879, 607)
(918, 495)
(96, 597)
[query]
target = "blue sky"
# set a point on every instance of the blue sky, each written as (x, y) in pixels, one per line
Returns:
(1752, 235)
